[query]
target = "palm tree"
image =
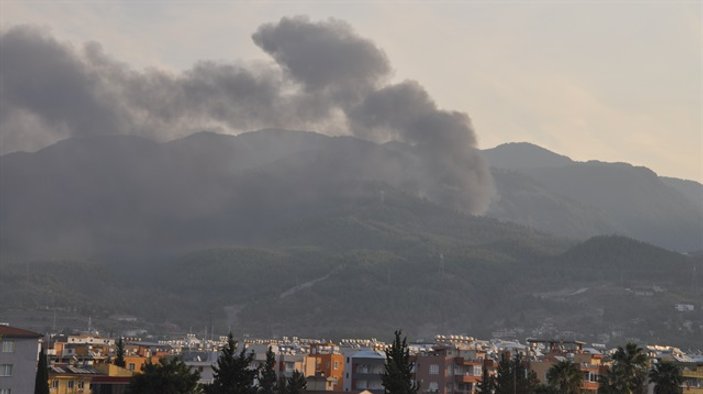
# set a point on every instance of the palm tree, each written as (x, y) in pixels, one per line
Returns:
(628, 374)
(666, 377)
(566, 377)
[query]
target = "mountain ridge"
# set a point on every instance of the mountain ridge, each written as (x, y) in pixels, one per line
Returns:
(201, 173)
(216, 228)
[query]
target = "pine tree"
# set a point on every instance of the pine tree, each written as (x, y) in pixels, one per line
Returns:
(169, 376)
(487, 383)
(504, 376)
(41, 382)
(282, 385)
(296, 384)
(526, 380)
(398, 376)
(119, 353)
(514, 377)
(267, 379)
(234, 373)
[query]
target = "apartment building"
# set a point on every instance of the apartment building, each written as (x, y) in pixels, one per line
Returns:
(554, 351)
(363, 370)
(326, 361)
(449, 369)
(19, 355)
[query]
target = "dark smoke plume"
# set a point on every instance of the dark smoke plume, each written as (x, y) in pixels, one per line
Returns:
(325, 77)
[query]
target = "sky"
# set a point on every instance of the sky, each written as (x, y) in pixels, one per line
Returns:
(612, 81)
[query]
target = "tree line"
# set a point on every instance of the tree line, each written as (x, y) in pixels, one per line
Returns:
(630, 373)
(235, 373)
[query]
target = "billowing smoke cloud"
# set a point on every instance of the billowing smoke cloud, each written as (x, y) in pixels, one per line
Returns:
(325, 76)
(405, 112)
(325, 57)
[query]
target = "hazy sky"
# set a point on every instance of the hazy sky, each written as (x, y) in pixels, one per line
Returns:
(614, 81)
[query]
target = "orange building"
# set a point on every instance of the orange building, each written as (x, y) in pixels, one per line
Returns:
(557, 350)
(136, 363)
(449, 369)
(325, 360)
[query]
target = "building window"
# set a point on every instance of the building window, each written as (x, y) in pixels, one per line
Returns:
(55, 384)
(131, 366)
(5, 369)
(434, 369)
(70, 384)
(336, 365)
(434, 387)
(8, 346)
(80, 385)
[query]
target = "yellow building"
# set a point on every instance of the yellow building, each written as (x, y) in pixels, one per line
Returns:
(692, 379)
(113, 370)
(103, 378)
(68, 379)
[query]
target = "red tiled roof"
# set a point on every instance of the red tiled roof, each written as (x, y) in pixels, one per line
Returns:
(14, 332)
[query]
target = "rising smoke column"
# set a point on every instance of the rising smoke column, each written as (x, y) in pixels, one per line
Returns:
(324, 76)
(327, 58)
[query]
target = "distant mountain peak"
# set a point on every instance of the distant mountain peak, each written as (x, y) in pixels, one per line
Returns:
(522, 155)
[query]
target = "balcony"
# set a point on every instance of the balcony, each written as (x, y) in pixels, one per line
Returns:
(368, 371)
(466, 378)
(589, 386)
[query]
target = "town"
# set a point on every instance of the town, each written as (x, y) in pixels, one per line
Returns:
(90, 362)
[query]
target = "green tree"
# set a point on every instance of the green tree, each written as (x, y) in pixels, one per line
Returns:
(628, 373)
(666, 377)
(119, 353)
(487, 383)
(234, 373)
(526, 379)
(513, 376)
(41, 381)
(169, 376)
(566, 377)
(296, 384)
(546, 389)
(398, 376)
(282, 385)
(504, 375)
(267, 378)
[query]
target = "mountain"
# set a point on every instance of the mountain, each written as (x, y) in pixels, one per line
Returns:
(295, 233)
(523, 155)
(692, 190)
(122, 195)
(606, 289)
(552, 193)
